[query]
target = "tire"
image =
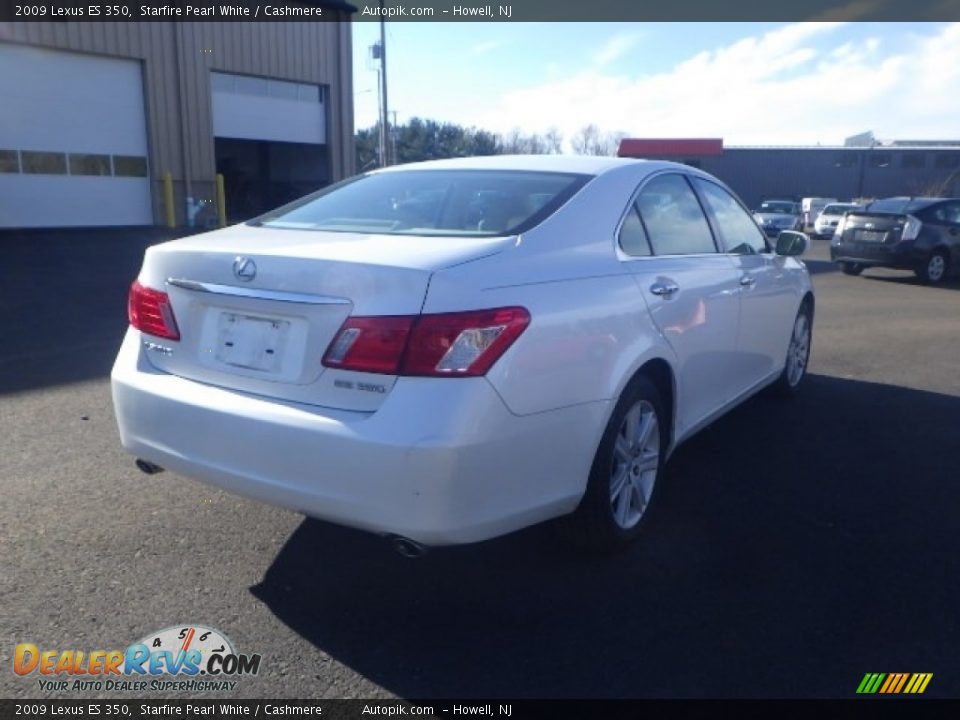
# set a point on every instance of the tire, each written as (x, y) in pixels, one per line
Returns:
(934, 269)
(609, 518)
(851, 268)
(798, 354)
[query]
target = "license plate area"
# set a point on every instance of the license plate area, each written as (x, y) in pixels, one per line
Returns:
(870, 236)
(251, 342)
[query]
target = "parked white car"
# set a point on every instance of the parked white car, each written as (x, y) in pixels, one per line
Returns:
(829, 218)
(449, 351)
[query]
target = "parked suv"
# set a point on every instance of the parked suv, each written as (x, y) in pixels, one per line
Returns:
(919, 234)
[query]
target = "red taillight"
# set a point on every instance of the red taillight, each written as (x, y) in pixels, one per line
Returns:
(464, 344)
(369, 344)
(150, 312)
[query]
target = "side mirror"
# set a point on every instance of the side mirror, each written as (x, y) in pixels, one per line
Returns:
(790, 242)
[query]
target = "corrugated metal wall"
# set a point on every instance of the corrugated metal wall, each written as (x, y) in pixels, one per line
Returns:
(177, 59)
(758, 173)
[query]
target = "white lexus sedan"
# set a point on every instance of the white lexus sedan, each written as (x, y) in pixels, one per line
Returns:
(445, 352)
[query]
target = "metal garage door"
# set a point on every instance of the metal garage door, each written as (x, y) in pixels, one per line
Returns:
(73, 142)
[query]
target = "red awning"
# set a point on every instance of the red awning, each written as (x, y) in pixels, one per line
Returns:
(670, 147)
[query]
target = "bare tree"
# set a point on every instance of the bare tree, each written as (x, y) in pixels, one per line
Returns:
(940, 188)
(518, 143)
(589, 140)
(586, 140)
(554, 140)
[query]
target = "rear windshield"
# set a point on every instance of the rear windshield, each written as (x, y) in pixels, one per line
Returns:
(431, 202)
(900, 206)
(784, 208)
(838, 209)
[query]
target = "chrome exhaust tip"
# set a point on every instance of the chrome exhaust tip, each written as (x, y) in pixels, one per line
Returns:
(148, 467)
(408, 548)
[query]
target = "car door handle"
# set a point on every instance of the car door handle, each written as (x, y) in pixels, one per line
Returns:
(665, 289)
(748, 281)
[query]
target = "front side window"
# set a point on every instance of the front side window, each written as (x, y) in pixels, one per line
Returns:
(673, 218)
(432, 202)
(738, 232)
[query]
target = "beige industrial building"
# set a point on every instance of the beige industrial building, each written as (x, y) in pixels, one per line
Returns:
(96, 116)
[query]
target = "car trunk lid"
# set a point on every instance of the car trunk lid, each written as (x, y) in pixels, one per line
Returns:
(257, 307)
(873, 228)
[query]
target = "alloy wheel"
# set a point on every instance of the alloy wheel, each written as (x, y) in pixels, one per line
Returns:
(799, 350)
(936, 267)
(636, 460)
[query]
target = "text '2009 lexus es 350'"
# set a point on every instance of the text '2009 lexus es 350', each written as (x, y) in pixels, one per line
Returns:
(446, 352)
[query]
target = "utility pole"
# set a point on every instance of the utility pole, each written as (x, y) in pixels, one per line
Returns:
(384, 113)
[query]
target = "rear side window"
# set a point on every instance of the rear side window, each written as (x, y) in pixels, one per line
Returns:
(897, 205)
(633, 237)
(673, 218)
(738, 231)
(946, 213)
(432, 202)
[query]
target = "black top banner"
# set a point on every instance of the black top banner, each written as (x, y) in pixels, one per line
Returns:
(476, 10)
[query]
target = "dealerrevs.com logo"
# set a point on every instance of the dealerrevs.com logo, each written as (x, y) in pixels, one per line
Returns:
(186, 658)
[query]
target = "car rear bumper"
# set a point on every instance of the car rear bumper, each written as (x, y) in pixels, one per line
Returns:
(903, 255)
(443, 461)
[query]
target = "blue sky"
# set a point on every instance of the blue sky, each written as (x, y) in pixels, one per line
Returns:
(749, 83)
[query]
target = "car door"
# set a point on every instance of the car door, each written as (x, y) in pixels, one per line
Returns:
(691, 290)
(767, 302)
(946, 216)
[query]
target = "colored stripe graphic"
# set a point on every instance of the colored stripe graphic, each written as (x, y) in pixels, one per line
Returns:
(894, 683)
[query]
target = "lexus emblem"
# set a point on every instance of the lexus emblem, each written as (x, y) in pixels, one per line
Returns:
(244, 268)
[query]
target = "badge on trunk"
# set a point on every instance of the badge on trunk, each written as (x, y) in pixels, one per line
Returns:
(244, 268)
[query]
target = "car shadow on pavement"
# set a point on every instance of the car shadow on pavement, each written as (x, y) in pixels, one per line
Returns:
(817, 267)
(948, 283)
(795, 546)
(63, 301)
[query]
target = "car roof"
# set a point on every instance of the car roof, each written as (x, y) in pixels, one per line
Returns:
(915, 200)
(578, 164)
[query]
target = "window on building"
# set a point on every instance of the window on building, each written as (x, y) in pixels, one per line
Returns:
(222, 82)
(129, 166)
(947, 161)
(43, 163)
(913, 160)
(880, 160)
(249, 85)
(673, 217)
(82, 164)
(310, 93)
(265, 87)
(9, 161)
(281, 89)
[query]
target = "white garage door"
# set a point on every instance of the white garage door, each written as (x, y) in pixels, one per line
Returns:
(73, 141)
(253, 108)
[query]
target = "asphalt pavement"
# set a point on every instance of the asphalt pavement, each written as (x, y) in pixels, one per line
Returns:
(794, 546)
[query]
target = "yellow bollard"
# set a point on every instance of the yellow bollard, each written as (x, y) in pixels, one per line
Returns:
(221, 201)
(168, 200)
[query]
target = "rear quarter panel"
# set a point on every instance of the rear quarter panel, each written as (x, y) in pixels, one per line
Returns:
(590, 327)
